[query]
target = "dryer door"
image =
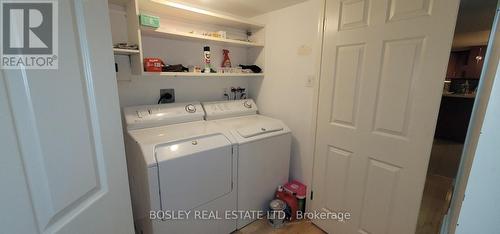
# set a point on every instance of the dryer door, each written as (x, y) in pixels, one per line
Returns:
(194, 172)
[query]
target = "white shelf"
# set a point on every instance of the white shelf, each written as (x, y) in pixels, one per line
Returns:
(125, 51)
(197, 74)
(177, 21)
(191, 13)
(194, 37)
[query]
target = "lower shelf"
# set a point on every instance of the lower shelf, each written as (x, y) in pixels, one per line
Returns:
(124, 51)
(197, 74)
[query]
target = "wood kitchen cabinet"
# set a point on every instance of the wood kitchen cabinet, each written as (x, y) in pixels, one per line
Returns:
(453, 119)
(476, 61)
(466, 63)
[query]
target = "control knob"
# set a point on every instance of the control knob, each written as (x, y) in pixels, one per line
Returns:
(247, 104)
(190, 108)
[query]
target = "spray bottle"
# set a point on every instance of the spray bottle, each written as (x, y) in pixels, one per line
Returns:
(206, 57)
(226, 62)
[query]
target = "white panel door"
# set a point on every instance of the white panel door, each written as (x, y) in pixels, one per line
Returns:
(62, 156)
(383, 66)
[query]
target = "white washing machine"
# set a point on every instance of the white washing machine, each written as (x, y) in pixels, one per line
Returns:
(264, 146)
(177, 162)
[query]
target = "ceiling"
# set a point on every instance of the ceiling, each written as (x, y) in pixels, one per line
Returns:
(475, 15)
(477, 3)
(244, 8)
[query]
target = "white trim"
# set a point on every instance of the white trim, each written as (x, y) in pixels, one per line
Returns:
(319, 57)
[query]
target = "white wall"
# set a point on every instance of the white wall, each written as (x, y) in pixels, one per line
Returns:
(292, 55)
(146, 90)
(481, 207)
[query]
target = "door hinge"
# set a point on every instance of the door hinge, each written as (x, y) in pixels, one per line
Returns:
(312, 195)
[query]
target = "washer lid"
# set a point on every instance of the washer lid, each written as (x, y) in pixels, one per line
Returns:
(259, 129)
(250, 127)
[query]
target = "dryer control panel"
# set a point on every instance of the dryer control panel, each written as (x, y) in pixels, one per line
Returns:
(228, 109)
(148, 116)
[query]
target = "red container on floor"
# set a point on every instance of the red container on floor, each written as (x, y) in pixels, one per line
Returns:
(298, 190)
(290, 201)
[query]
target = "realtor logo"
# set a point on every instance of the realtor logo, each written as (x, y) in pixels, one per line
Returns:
(29, 35)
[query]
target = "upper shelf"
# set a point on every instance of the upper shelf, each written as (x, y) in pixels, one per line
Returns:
(199, 15)
(194, 37)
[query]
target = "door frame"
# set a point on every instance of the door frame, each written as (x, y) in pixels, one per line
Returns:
(315, 114)
(473, 133)
(486, 81)
(315, 98)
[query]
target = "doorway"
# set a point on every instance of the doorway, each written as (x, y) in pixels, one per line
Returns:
(474, 22)
(379, 94)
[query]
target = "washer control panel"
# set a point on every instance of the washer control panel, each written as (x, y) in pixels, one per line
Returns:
(228, 109)
(146, 116)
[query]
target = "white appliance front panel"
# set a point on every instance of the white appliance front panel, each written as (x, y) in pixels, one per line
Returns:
(263, 165)
(194, 172)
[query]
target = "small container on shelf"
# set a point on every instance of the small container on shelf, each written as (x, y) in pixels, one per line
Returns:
(149, 21)
(153, 65)
(222, 34)
(223, 70)
(194, 68)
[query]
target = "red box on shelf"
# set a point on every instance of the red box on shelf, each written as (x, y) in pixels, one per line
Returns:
(153, 64)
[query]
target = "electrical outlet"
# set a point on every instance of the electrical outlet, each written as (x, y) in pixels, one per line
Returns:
(167, 96)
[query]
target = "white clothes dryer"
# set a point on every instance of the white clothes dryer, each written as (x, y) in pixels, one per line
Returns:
(179, 164)
(264, 146)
